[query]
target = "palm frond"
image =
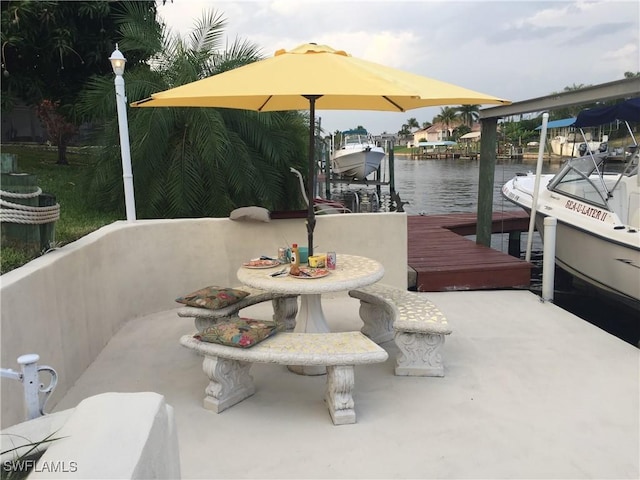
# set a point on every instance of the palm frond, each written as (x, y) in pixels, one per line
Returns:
(139, 31)
(191, 162)
(240, 52)
(207, 32)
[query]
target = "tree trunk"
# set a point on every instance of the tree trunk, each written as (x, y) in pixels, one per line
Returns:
(62, 154)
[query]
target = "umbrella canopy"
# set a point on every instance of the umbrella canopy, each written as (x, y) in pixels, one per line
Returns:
(316, 77)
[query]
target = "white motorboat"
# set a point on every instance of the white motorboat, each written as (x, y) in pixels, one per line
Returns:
(596, 201)
(572, 145)
(357, 156)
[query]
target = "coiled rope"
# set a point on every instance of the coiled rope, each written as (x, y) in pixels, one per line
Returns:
(17, 213)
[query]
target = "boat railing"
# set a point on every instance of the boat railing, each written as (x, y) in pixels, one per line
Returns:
(588, 179)
(595, 157)
(361, 201)
(322, 206)
(631, 165)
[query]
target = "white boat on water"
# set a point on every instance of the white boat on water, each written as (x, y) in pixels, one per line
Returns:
(572, 145)
(596, 201)
(357, 156)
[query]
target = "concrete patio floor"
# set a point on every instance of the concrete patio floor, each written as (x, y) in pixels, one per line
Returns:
(530, 391)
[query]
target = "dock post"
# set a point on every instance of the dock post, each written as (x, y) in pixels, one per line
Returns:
(514, 244)
(486, 179)
(549, 259)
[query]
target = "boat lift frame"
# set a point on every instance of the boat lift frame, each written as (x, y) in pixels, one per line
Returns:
(330, 178)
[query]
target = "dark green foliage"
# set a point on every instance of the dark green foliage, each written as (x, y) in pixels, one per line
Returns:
(193, 162)
(469, 114)
(460, 130)
(50, 48)
(522, 132)
(448, 116)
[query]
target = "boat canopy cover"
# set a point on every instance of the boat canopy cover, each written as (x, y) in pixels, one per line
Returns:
(565, 122)
(356, 131)
(471, 135)
(628, 111)
(445, 143)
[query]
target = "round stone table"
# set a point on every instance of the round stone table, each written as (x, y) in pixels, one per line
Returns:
(351, 272)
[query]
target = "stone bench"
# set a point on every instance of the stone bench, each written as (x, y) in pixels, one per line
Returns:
(230, 381)
(285, 308)
(415, 323)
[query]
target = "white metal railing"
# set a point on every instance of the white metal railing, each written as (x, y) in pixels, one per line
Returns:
(30, 378)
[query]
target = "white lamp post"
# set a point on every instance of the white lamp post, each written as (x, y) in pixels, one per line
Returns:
(117, 62)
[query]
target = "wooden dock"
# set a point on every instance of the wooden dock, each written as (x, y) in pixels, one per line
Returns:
(443, 259)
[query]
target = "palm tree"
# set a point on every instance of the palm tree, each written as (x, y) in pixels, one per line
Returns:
(412, 123)
(447, 116)
(193, 162)
(571, 111)
(469, 114)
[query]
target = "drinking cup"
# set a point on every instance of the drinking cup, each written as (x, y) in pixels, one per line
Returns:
(304, 254)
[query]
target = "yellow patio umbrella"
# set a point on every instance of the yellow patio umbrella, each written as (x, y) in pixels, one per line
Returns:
(316, 77)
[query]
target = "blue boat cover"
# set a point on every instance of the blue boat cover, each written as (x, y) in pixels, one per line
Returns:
(628, 111)
(565, 122)
(445, 143)
(355, 131)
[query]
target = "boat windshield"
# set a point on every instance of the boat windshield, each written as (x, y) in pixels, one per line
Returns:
(353, 139)
(356, 139)
(591, 178)
(582, 178)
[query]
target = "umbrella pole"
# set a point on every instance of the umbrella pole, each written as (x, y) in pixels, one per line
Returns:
(311, 216)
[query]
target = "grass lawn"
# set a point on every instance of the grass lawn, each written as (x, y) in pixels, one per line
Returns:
(397, 149)
(77, 218)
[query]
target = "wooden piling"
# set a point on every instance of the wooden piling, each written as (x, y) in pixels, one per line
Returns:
(486, 176)
(21, 235)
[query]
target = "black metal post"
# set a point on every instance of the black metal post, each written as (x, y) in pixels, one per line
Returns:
(327, 170)
(311, 216)
(392, 176)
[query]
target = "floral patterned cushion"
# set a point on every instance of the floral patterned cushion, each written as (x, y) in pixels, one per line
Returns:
(213, 297)
(239, 332)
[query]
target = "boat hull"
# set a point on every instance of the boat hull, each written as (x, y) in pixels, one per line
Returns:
(568, 148)
(591, 243)
(598, 261)
(357, 163)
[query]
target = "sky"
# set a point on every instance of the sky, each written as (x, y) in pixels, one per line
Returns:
(515, 50)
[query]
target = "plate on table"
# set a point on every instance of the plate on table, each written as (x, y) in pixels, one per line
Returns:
(307, 273)
(261, 263)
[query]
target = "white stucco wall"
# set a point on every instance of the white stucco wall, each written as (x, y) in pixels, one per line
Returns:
(111, 435)
(66, 305)
(131, 435)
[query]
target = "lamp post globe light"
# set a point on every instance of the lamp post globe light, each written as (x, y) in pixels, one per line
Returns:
(117, 63)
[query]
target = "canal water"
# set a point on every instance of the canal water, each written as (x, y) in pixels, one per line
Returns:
(451, 185)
